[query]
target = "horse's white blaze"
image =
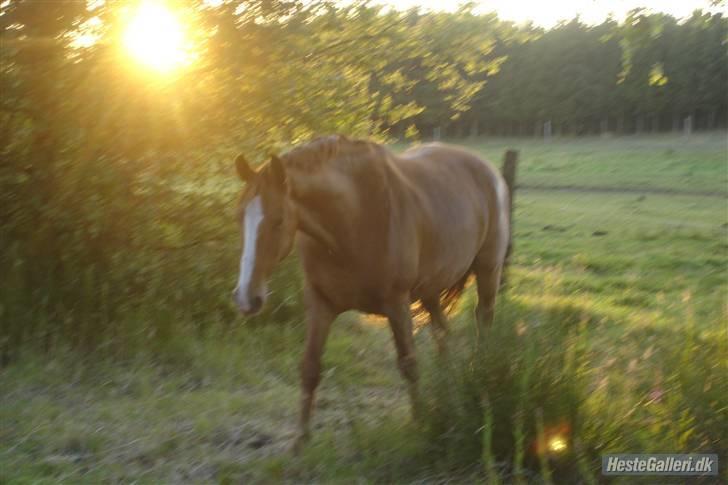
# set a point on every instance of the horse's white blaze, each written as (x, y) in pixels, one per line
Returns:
(251, 222)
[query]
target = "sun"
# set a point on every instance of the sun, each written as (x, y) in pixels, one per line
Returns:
(155, 38)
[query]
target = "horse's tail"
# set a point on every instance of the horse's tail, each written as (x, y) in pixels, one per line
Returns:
(449, 297)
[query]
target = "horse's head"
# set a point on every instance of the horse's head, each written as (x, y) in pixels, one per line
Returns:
(267, 229)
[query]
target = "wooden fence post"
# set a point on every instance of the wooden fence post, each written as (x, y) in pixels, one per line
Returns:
(510, 163)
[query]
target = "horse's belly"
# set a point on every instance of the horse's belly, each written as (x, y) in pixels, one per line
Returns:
(448, 254)
(347, 288)
(432, 281)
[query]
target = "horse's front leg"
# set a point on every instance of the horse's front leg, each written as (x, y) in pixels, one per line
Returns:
(319, 318)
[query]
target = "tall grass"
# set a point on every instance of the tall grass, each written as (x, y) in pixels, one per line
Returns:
(513, 401)
(534, 402)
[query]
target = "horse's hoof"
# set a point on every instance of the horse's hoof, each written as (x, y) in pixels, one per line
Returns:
(299, 444)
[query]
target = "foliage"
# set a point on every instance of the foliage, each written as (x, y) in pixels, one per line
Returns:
(113, 177)
(646, 74)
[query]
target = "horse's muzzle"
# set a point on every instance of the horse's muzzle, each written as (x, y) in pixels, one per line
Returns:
(248, 306)
(256, 303)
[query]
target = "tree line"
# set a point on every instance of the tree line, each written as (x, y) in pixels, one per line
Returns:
(650, 73)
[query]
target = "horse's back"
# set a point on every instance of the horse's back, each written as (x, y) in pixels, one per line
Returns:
(461, 199)
(452, 179)
(448, 167)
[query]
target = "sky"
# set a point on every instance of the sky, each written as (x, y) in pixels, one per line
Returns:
(547, 13)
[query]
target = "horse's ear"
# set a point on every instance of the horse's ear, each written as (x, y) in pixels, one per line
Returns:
(244, 171)
(278, 170)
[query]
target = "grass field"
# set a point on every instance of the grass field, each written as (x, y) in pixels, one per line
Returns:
(612, 336)
(669, 163)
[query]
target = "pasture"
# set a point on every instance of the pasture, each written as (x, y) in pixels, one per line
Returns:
(611, 338)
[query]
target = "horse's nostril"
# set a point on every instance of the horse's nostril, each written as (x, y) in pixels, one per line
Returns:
(255, 304)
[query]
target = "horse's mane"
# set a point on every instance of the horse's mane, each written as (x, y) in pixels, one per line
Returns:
(322, 150)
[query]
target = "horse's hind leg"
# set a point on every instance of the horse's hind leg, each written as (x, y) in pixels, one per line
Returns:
(438, 322)
(400, 321)
(488, 267)
(488, 280)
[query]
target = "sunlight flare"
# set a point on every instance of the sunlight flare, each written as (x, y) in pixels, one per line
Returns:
(155, 38)
(557, 444)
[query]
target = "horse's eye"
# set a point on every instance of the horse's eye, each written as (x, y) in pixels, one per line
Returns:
(277, 223)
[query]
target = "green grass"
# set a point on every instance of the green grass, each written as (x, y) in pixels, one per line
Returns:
(692, 164)
(631, 253)
(614, 326)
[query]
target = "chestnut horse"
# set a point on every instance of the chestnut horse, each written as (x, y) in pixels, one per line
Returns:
(375, 232)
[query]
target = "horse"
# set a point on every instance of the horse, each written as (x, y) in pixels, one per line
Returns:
(375, 232)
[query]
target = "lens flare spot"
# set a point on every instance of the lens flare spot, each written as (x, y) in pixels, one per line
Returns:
(557, 444)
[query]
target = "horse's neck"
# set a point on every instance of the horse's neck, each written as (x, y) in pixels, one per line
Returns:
(350, 221)
(314, 226)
